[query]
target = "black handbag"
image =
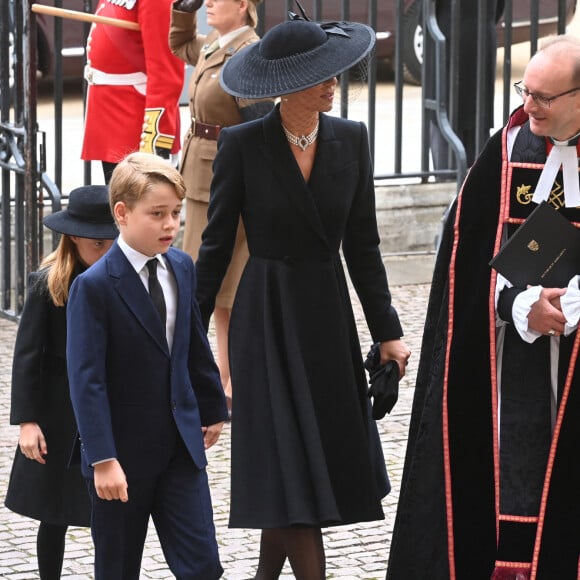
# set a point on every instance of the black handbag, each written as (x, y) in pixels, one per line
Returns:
(383, 381)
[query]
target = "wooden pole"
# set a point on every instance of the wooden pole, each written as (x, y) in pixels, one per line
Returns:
(84, 16)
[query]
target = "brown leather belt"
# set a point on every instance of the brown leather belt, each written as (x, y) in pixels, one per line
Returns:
(204, 130)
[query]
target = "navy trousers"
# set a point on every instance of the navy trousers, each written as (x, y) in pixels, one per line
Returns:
(179, 502)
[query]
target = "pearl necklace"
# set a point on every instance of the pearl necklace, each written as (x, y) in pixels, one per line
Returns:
(302, 141)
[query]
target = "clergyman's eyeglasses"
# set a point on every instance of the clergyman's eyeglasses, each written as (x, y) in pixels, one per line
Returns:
(539, 99)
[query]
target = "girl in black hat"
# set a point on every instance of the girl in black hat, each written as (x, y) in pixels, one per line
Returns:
(305, 452)
(42, 485)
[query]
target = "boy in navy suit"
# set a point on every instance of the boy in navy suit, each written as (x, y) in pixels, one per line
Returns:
(144, 385)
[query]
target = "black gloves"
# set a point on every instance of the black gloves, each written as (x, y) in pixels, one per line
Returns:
(384, 382)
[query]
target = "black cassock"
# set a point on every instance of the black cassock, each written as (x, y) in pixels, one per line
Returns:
(456, 483)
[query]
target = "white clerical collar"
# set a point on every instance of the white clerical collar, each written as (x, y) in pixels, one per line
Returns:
(563, 154)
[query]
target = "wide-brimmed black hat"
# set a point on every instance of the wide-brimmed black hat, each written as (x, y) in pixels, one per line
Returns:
(296, 55)
(87, 215)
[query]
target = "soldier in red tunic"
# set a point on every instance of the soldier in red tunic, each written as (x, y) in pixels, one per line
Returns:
(134, 84)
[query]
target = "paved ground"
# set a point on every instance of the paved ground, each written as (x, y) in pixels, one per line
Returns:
(353, 552)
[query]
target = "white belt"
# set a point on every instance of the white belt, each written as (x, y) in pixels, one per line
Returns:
(98, 77)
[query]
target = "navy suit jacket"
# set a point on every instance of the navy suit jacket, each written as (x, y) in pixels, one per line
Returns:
(132, 397)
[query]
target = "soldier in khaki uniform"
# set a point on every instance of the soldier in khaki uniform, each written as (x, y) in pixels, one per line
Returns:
(233, 23)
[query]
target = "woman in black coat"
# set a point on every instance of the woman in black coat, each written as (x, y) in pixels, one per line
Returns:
(42, 485)
(305, 453)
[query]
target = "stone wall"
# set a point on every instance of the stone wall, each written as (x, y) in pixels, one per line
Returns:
(410, 216)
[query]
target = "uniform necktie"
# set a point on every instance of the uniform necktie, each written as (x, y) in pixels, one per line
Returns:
(155, 290)
(212, 48)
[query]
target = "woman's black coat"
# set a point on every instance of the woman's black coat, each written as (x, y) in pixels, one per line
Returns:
(304, 450)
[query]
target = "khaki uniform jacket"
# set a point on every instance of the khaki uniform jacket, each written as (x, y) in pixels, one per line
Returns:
(208, 102)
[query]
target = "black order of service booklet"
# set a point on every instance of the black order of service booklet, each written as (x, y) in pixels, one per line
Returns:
(544, 251)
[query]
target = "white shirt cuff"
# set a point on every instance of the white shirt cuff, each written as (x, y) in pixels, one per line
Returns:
(571, 305)
(103, 461)
(500, 284)
(520, 310)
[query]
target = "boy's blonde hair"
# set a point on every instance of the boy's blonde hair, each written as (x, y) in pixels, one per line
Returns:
(137, 174)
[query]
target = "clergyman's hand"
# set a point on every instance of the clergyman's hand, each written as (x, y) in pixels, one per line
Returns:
(546, 316)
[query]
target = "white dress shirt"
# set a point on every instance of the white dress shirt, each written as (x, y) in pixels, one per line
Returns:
(139, 262)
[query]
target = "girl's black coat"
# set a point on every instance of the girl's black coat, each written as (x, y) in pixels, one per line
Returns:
(54, 493)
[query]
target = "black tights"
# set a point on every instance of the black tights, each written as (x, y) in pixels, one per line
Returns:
(301, 545)
(50, 550)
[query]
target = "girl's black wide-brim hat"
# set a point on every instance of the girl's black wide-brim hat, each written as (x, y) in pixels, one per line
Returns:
(296, 55)
(88, 215)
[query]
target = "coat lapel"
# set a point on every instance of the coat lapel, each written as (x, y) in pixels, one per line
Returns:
(133, 293)
(279, 157)
(329, 157)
